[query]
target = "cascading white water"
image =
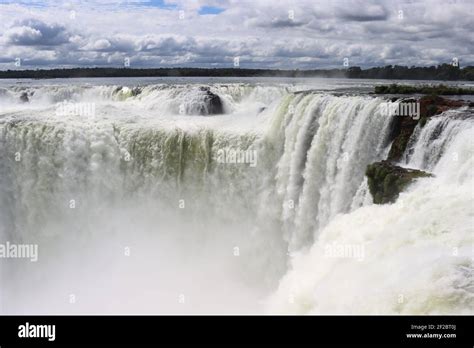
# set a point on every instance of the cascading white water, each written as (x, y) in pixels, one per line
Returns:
(413, 256)
(328, 143)
(144, 176)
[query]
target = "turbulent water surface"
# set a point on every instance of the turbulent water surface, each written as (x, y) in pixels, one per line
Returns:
(141, 201)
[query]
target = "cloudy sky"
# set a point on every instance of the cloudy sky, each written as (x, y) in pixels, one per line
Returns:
(262, 33)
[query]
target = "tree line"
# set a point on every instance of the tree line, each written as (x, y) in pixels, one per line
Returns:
(445, 72)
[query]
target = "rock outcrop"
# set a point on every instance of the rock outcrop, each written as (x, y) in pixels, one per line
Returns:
(24, 97)
(124, 92)
(403, 127)
(387, 180)
(212, 103)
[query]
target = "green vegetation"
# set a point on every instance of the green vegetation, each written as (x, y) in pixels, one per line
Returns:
(422, 123)
(403, 127)
(387, 180)
(443, 72)
(433, 90)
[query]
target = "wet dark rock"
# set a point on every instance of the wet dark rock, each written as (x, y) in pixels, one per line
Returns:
(24, 97)
(212, 103)
(424, 89)
(401, 131)
(387, 180)
(136, 91)
(124, 92)
(403, 127)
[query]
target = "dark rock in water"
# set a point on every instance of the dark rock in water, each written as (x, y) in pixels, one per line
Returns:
(403, 127)
(128, 92)
(434, 105)
(401, 131)
(387, 180)
(212, 102)
(136, 91)
(24, 97)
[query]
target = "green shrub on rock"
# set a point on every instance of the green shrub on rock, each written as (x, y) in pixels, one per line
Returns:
(387, 180)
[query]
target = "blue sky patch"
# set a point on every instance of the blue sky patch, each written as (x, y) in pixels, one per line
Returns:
(206, 10)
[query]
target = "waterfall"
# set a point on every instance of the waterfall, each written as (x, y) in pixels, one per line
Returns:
(251, 196)
(413, 256)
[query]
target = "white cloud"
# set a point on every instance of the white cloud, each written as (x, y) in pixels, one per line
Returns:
(23, 34)
(101, 44)
(264, 33)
